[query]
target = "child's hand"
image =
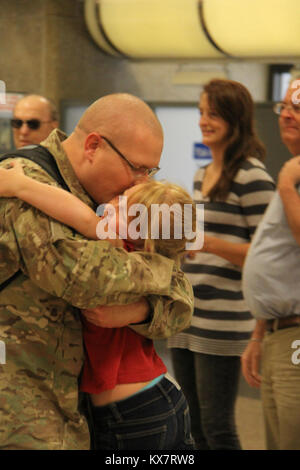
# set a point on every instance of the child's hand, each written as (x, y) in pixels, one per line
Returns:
(11, 179)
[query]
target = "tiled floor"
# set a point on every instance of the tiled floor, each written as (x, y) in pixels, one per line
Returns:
(250, 423)
(248, 408)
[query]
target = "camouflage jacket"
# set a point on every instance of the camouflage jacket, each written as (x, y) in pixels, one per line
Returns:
(59, 272)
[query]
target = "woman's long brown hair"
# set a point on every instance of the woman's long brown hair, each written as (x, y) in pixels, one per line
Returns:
(233, 103)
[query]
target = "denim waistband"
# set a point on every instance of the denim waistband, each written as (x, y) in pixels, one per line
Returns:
(149, 385)
(163, 387)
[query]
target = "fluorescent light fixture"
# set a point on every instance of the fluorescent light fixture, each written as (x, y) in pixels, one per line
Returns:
(195, 29)
(91, 14)
(151, 28)
(254, 28)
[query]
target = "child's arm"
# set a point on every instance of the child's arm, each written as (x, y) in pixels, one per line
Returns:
(55, 202)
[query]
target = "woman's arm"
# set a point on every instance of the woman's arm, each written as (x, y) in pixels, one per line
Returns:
(55, 202)
(235, 253)
(253, 205)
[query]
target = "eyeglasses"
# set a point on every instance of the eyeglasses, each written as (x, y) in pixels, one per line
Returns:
(279, 107)
(138, 171)
(33, 124)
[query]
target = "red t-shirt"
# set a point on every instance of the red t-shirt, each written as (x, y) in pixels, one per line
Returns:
(117, 356)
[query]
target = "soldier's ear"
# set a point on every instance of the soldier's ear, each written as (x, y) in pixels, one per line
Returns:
(91, 145)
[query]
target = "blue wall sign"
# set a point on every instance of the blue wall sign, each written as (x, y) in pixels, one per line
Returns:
(201, 152)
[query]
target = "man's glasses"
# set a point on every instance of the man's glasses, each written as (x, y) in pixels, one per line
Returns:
(33, 124)
(138, 171)
(279, 107)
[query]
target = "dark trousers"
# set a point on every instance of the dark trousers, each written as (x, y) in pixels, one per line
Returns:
(155, 419)
(210, 384)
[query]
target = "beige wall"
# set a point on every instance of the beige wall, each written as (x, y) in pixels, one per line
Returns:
(46, 49)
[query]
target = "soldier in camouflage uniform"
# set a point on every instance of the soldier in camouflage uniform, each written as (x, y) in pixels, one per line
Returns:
(50, 272)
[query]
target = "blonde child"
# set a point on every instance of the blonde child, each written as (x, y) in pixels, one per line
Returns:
(134, 404)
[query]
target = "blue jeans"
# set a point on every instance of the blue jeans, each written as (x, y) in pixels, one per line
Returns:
(210, 384)
(155, 419)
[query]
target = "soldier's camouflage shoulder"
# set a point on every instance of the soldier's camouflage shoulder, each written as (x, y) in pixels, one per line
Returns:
(43, 342)
(55, 271)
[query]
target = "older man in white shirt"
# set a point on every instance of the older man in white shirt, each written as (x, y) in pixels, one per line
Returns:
(271, 286)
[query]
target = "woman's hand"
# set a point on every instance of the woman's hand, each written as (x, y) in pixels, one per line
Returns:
(206, 240)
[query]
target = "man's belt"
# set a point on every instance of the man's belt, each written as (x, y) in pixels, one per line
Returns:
(285, 322)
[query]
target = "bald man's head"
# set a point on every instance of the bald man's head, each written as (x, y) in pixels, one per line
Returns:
(115, 134)
(118, 114)
(34, 117)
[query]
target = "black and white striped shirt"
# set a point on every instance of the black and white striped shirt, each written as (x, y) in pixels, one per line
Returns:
(222, 323)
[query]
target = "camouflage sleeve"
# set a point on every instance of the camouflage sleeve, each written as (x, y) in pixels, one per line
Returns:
(172, 313)
(78, 270)
(169, 314)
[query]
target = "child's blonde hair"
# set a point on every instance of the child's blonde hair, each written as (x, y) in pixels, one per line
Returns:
(156, 192)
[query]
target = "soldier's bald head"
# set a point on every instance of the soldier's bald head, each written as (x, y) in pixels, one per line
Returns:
(116, 133)
(118, 115)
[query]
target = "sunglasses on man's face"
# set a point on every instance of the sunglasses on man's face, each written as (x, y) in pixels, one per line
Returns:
(33, 124)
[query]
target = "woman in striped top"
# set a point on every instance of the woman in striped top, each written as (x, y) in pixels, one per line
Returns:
(235, 189)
